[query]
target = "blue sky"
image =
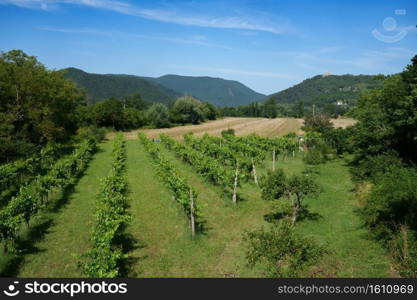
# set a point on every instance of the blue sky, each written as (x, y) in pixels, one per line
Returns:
(267, 45)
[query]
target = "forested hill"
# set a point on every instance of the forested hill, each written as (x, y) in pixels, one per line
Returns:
(103, 86)
(163, 89)
(322, 89)
(218, 91)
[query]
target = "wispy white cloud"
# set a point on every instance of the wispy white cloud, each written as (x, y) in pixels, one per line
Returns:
(193, 40)
(77, 31)
(238, 72)
(168, 16)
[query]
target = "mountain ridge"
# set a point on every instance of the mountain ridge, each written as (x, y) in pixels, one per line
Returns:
(326, 89)
(164, 89)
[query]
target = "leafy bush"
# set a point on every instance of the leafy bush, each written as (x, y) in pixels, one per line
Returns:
(318, 123)
(273, 185)
(228, 132)
(371, 167)
(314, 157)
(393, 201)
(93, 132)
(284, 252)
(338, 139)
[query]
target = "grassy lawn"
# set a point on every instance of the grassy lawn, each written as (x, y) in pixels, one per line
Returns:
(55, 237)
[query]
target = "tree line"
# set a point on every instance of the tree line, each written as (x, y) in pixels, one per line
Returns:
(39, 107)
(271, 108)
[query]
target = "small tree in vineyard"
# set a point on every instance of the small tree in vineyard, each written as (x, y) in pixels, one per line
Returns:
(296, 189)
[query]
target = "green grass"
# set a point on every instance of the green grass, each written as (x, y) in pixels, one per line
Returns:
(57, 235)
(352, 252)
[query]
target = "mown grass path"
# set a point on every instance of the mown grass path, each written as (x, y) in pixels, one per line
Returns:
(70, 225)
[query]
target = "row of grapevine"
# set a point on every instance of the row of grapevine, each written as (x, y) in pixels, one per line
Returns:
(33, 197)
(222, 152)
(208, 167)
(22, 172)
(106, 256)
(245, 148)
(183, 192)
(286, 144)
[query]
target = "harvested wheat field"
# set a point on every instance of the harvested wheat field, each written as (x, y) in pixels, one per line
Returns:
(242, 126)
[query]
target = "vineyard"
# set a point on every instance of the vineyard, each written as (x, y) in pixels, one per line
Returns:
(159, 207)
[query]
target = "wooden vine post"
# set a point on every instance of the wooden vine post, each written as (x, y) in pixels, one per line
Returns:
(235, 184)
(192, 220)
(255, 178)
(273, 160)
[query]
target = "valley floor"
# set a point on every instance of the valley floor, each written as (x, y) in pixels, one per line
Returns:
(162, 243)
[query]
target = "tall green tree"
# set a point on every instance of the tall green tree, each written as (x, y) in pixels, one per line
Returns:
(37, 105)
(158, 115)
(108, 113)
(388, 118)
(270, 108)
(187, 110)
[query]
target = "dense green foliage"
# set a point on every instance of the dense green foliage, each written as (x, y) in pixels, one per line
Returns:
(217, 91)
(37, 106)
(106, 255)
(164, 89)
(284, 252)
(103, 86)
(384, 142)
(117, 114)
(388, 118)
(187, 110)
(321, 90)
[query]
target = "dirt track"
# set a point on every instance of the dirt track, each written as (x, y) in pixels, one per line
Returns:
(242, 127)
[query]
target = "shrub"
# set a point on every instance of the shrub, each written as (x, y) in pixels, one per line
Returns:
(314, 157)
(393, 201)
(228, 132)
(318, 123)
(273, 185)
(96, 133)
(372, 167)
(284, 252)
